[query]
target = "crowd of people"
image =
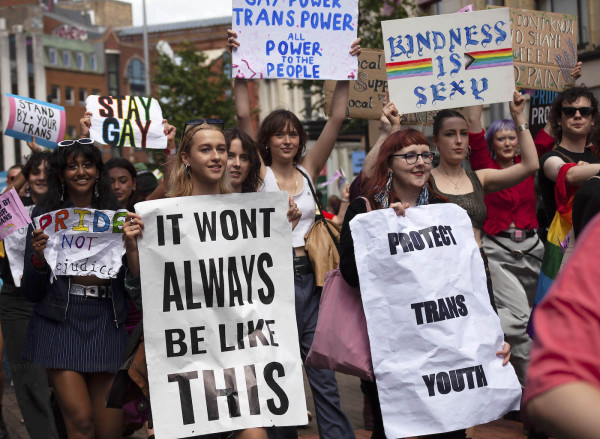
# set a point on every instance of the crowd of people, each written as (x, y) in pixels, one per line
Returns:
(69, 334)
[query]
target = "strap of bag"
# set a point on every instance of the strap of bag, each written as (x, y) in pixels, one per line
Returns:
(564, 156)
(320, 216)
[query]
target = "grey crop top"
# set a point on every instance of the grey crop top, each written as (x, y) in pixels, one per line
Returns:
(472, 202)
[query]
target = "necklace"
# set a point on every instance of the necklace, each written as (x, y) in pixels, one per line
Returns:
(295, 180)
(455, 183)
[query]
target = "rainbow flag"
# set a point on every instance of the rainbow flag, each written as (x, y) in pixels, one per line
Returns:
(409, 69)
(489, 58)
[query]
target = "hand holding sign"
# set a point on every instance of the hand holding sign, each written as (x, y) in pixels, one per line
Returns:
(38, 241)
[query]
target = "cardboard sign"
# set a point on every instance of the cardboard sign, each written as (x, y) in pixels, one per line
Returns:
(448, 61)
(432, 329)
(545, 48)
(83, 242)
(539, 109)
(219, 314)
(14, 245)
(126, 121)
(29, 118)
(13, 214)
(295, 39)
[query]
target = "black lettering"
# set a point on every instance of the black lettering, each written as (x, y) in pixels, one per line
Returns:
(284, 403)
(171, 284)
(185, 394)
(171, 342)
(468, 371)
(430, 383)
(418, 307)
(393, 241)
(213, 284)
(223, 339)
(248, 275)
(449, 230)
(436, 237)
(196, 339)
(265, 259)
(452, 308)
(189, 292)
(111, 137)
(480, 376)
(160, 229)
(235, 287)
(425, 233)
(252, 387)
(443, 310)
(431, 313)
(267, 211)
(248, 224)
(212, 393)
(416, 240)
(445, 238)
(271, 332)
(462, 308)
(175, 226)
(227, 234)
(254, 333)
(405, 243)
(105, 102)
(443, 383)
(206, 225)
(456, 378)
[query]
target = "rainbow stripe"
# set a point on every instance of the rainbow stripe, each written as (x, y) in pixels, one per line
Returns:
(489, 58)
(409, 69)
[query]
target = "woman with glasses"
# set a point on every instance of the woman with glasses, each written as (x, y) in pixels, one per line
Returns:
(398, 179)
(79, 339)
(282, 141)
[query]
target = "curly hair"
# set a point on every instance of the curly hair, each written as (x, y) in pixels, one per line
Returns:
(34, 160)
(253, 180)
(276, 121)
(180, 182)
(56, 190)
(569, 96)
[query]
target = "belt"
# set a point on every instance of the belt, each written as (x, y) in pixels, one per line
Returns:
(302, 265)
(517, 235)
(517, 254)
(95, 291)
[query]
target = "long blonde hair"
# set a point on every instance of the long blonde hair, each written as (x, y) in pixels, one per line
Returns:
(180, 181)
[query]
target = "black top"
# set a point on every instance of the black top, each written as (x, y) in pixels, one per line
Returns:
(547, 185)
(586, 203)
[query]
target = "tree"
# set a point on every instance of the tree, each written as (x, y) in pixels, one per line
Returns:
(191, 88)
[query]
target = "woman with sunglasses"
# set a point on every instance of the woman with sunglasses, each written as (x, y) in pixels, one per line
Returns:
(199, 169)
(79, 339)
(281, 141)
(398, 179)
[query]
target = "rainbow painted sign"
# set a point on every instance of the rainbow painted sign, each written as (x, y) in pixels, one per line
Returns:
(449, 61)
(29, 118)
(13, 215)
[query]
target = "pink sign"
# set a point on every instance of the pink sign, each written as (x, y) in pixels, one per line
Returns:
(13, 214)
(468, 8)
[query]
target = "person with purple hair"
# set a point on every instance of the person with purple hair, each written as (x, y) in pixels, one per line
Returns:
(511, 243)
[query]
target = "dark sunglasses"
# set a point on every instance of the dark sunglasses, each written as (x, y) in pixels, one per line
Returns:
(84, 141)
(571, 111)
(194, 122)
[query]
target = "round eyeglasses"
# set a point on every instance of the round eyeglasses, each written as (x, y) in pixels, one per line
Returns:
(412, 157)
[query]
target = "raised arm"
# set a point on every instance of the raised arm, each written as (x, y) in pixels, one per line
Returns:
(390, 122)
(480, 157)
(241, 94)
(498, 179)
(315, 159)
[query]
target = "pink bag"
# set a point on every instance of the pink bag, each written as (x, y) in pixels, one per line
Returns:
(341, 341)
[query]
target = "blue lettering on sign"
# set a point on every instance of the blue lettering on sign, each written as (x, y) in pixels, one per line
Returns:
(475, 89)
(440, 61)
(485, 30)
(423, 41)
(471, 32)
(439, 40)
(294, 71)
(455, 38)
(455, 59)
(436, 89)
(457, 88)
(502, 34)
(422, 98)
(397, 44)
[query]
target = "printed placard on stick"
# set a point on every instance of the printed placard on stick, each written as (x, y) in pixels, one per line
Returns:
(295, 39)
(219, 314)
(449, 61)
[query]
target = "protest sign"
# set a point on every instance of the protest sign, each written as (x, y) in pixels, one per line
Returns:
(83, 242)
(460, 60)
(539, 109)
(13, 214)
(544, 47)
(126, 121)
(14, 245)
(29, 118)
(220, 334)
(295, 39)
(432, 329)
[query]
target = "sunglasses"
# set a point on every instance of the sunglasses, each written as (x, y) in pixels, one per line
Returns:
(583, 111)
(84, 141)
(194, 122)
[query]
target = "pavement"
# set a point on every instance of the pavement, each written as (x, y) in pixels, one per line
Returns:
(352, 403)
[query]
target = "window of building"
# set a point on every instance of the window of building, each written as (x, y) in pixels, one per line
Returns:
(82, 96)
(136, 73)
(579, 8)
(54, 94)
(52, 59)
(93, 62)
(69, 96)
(80, 60)
(112, 73)
(95, 92)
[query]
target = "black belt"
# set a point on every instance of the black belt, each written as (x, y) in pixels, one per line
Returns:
(517, 235)
(517, 254)
(302, 265)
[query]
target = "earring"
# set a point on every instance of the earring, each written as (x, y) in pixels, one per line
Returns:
(383, 196)
(188, 172)
(62, 192)
(423, 197)
(96, 191)
(468, 151)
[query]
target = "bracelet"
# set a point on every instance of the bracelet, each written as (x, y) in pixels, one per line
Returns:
(523, 127)
(345, 200)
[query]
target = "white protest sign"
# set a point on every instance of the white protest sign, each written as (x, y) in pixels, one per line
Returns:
(295, 39)
(433, 332)
(14, 245)
(83, 242)
(126, 121)
(219, 314)
(29, 118)
(449, 61)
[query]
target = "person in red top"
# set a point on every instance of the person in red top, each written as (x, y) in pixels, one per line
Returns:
(510, 242)
(562, 397)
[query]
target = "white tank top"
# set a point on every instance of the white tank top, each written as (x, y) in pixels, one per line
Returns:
(303, 199)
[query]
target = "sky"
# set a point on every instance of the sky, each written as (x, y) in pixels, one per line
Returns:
(168, 11)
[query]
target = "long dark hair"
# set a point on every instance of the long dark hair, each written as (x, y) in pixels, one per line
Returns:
(277, 121)
(58, 163)
(441, 116)
(118, 162)
(253, 180)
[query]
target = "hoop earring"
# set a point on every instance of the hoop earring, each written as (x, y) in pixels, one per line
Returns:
(96, 191)
(188, 172)
(383, 196)
(468, 151)
(62, 192)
